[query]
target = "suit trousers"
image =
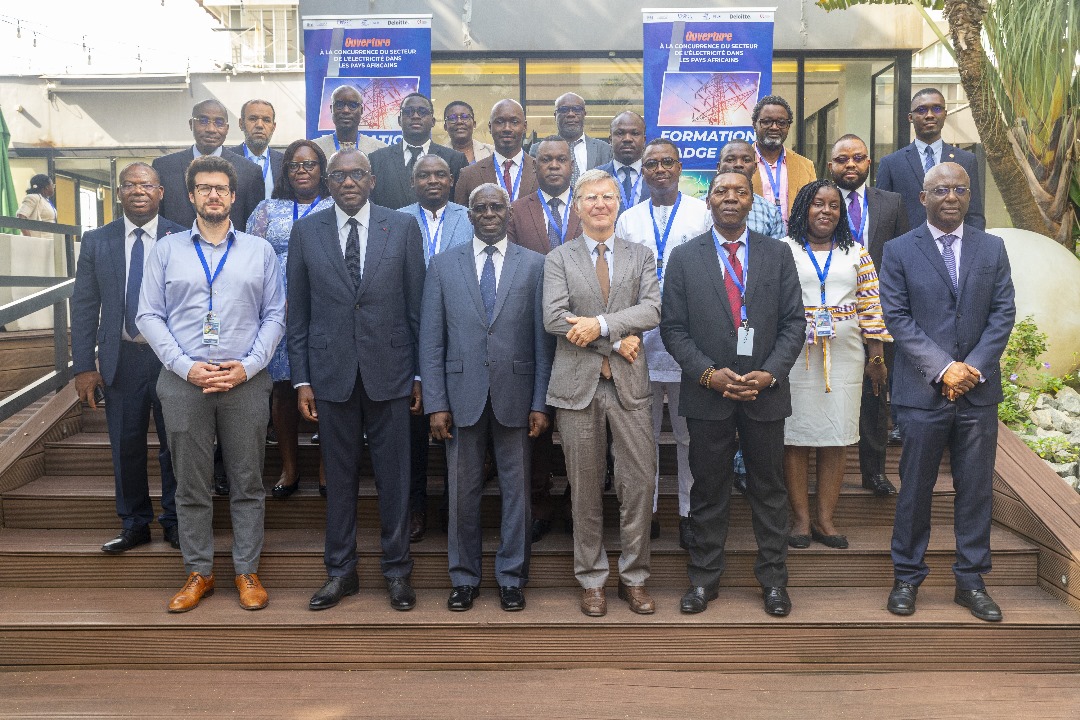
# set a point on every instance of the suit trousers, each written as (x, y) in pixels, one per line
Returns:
(584, 441)
(128, 404)
(342, 426)
(465, 453)
(238, 418)
(874, 422)
(712, 450)
(419, 427)
(682, 441)
(970, 433)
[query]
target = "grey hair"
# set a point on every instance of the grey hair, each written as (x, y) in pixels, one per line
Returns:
(591, 176)
(490, 186)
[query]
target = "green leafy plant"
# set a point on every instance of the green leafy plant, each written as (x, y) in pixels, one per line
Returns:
(1055, 449)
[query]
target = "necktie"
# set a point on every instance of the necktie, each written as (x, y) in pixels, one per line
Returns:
(575, 171)
(134, 283)
(627, 187)
(414, 150)
(605, 288)
(555, 226)
(507, 164)
(855, 213)
(487, 284)
(734, 297)
(354, 261)
(948, 257)
(929, 161)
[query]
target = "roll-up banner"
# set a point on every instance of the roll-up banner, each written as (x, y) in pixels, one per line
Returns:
(385, 57)
(703, 72)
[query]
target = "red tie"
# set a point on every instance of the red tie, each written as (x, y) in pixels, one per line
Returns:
(507, 164)
(733, 295)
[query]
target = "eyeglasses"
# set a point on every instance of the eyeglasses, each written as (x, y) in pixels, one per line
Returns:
(146, 187)
(570, 109)
(458, 117)
(338, 176)
(923, 109)
(943, 192)
(350, 104)
(205, 190)
(780, 123)
(206, 121)
(484, 208)
(594, 199)
(308, 165)
(843, 159)
(667, 163)
(420, 112)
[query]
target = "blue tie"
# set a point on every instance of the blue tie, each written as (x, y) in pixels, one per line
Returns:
(929, 162)
(949, 258)
(628, 188)
(487, 284)
(134, 283)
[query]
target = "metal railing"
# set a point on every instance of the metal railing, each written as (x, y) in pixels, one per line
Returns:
(56, 293)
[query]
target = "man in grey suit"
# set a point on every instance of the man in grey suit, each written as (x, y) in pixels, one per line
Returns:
(947, 294)
(485, 359)
(356, 279)
(586, 152)
(600, 295)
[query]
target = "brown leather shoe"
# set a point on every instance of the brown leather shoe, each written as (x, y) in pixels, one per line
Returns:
(195, 589)
(252, 594)
(594, 602)
(638, 598)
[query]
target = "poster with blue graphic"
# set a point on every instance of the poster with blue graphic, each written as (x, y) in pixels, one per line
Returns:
(384, 57)
(704, 70)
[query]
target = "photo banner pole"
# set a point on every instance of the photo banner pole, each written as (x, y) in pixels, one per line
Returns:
(385, 57)
(704, 70)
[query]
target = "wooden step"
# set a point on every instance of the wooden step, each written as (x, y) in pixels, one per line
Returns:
(294, 559)
(829, 629)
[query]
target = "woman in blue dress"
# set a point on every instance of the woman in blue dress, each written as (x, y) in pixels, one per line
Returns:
(300, 190)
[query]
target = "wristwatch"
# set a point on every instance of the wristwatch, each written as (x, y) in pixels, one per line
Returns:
(877, 360)
(774, 382)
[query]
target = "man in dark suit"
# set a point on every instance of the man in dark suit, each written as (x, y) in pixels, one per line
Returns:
(627, 145)
(586, 152)
(947, 294)
(735, 328)
(257, 121)
(486, 360)
(875, 216)
(904, 170)
(393, 165)
(510, 167)
(356, 279)
(209, 125)
(103, 309)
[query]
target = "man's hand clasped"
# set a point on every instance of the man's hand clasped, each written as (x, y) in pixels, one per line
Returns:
(739, 387)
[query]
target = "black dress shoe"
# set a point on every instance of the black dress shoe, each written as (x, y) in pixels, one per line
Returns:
(697, 599)
(331, 593)
(777, 601)
(654, 528)
(322, 490)
(271, 435)
(895, 436)
(799, 542)
(979, 603)
(282, 491)
(461, 598)
(878, 484)
(172, 536)
(221, 484)
(684, 533)
(127, 539)
(540, 528)
(417, 526)
(740, 482)
(402, 596)
(511, 599)
(314, 438)
(834, 541)
(568, 525)
(902, 598)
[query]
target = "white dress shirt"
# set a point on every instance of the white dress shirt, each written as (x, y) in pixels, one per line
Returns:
(581, 153)
(863, 206)
(150, 228)
(216, 153)
(363, 217)
(564, 198)
(424, 148)
(431, 229)
(635, 175)
(516, 164)
(480, 257)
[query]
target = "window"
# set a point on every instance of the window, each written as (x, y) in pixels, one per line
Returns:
(265, 37)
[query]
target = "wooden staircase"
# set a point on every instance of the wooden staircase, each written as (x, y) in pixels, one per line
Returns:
(65, 604)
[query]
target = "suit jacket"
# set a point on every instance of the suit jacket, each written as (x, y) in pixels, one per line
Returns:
(888, 220)
(528, 226)
(393, 183)
(334, 328)
(456, 229)
(464, 361)
(800, 172)
(902, 172)
(699, 331)
(483, 171)
(644, 189)
(172, 169)
(276, 160)
(98, 300)
(571, 288)
(933, 326)
(597, 152)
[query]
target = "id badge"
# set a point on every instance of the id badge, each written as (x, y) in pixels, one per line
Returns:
(823, 325)
(745, 345)
(211, 331)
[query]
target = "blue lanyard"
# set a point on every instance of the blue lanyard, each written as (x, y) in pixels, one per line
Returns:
(432, 239)
(265, 165)
(773, 180)
(661, 240)
(338, 147)
(296, 208)
(821, 274)
(740, 286)
(565, 213)
(512, 192)
(206, 267)
(862, 226)
(629, 201)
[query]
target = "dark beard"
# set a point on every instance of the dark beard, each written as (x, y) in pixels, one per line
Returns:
(213, 217)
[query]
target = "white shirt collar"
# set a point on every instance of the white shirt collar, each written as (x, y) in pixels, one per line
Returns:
(937, 234)
(564, 196)
(150, 228)
(216, 153)
(591, 244)
(425, 148)
(859, 191)
(936, 145)
(437, 214)
(636, 165)
(362, 215)
(500, 159)
(479, 246)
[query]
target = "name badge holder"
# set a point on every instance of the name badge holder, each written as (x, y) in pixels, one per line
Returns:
(211, 334)
(662, 239)
(744, 345)
(821, 325)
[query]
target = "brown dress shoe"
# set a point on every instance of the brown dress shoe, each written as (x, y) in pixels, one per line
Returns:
(638, 598)
(252, 594)
(594, 602)
(195, 589)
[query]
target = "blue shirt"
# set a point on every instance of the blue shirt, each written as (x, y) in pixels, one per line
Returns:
(249, 300)
(935, 148)
(764, 218)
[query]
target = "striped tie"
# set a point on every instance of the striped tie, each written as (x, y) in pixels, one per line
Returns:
(949, 258)
(929, 162)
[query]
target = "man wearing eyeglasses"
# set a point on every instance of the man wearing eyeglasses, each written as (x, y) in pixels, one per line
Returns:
(347, 112)
(509, 167)
(104, 306)
(213, 310)
(586, 152)
(459, 122)
(904, 170)
(600, 295)
(356, 278)
(781, 172)
(948, 299)
(257, 121)
(209, 125)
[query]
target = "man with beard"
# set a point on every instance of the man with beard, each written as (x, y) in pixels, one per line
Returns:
(509, 167)
(781, 172)
(586, 152)
(347, 108)
(627, 144)
(739, 156)
(258, 124)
